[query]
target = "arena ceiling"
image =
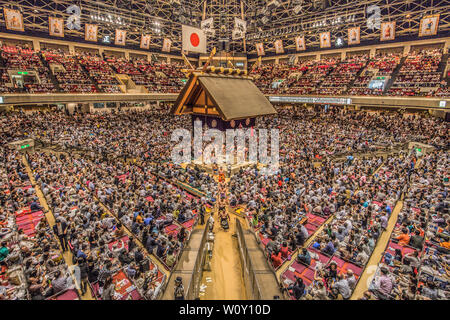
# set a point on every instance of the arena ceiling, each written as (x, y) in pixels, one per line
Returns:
(266, 20)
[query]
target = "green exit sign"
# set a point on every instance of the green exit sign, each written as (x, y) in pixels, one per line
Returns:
(22, 72)
(418, 150)
(25, 146)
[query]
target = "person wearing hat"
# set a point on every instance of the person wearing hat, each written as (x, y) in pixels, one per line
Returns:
(179, 289)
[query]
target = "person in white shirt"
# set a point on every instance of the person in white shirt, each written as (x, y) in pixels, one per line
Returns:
(351, 279)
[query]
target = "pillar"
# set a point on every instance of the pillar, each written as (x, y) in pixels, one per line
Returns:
(447, 46)
(406, 49)
(36, 45)
(72, 49)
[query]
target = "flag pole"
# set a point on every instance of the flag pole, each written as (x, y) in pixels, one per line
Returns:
(187, 61)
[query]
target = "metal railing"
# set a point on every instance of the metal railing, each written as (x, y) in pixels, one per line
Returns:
(251, 284)
(197, 272)
(193, 288)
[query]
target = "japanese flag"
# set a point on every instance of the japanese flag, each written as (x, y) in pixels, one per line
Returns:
(194, 39)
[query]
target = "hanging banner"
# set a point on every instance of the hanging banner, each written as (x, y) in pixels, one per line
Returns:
(56, 27)
(91, 32)
(145, 41)
(240, 28)
(429, 25)
(300, 43)
(167, 43)
(354, 35)
(74, 20)
(260, 49)
(121, 36)
(240, 25)
(207, 26)
(13, 20)
(278, 44)
(325, 41)
(387, 31)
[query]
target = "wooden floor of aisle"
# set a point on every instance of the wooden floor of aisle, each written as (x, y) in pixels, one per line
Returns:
(377, 254)
(225, 281)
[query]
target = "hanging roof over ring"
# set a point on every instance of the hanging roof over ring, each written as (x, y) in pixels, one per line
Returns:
(226, 96)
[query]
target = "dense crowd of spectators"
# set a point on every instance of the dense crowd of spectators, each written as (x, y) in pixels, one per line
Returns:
(160, 77)
(98, 241)
(114, 188)
(414, 264)
(83, 72)
(100, 71)
(380, 67)
(68, 72)
(419, 75)
(21, 59)
(31, 263)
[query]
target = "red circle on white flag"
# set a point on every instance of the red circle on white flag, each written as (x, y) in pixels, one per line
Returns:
(195, 40)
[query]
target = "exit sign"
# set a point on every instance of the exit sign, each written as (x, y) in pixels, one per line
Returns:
(25, 146)
(22, 72)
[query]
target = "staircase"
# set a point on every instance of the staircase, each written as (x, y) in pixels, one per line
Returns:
(394, 75)
(363, 68)
(127, 84)
(89, 77)
(50, 72)
(443, 64)
(442, 68)
(329, 71)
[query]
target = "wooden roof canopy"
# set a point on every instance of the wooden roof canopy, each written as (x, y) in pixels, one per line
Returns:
(231, 96)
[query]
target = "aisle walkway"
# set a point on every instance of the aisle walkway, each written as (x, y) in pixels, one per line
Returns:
(225, 281)
(377, 254)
